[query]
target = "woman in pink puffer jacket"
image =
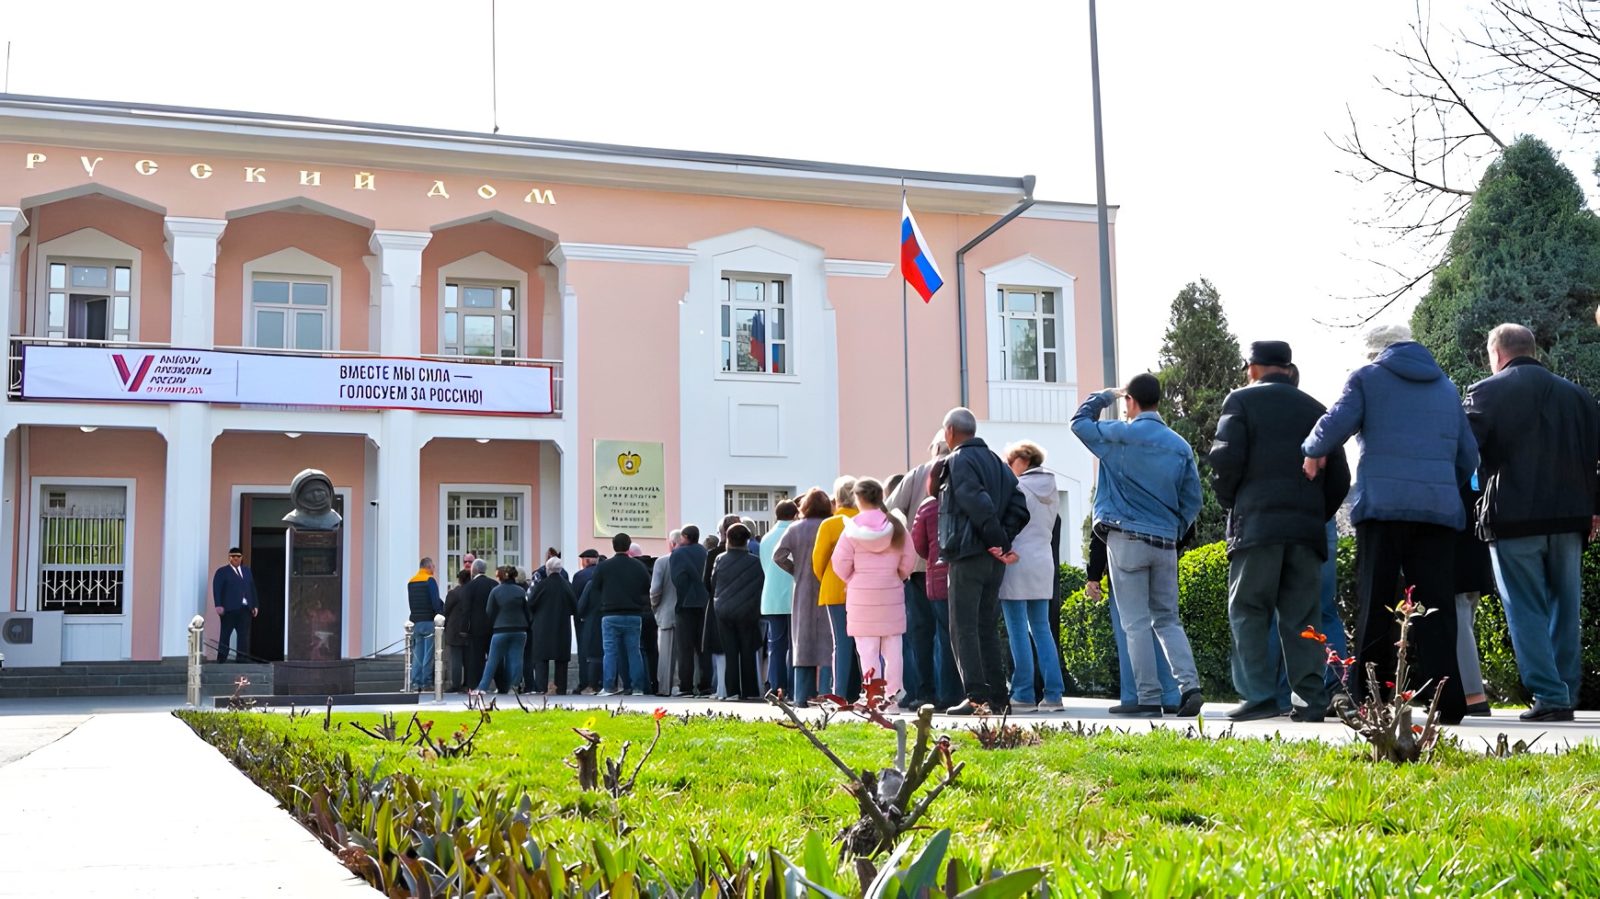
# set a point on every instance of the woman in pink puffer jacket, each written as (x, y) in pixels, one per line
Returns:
(874, 557)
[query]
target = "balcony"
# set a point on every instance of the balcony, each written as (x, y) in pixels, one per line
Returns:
(369, 382)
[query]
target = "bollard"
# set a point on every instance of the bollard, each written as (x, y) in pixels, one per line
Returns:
(405, 678)
(197, 628)
(438, 658)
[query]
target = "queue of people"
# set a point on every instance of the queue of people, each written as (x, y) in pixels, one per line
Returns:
(907, 581)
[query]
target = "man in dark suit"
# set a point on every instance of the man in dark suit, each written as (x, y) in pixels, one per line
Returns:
(479, 627)
(233, 592)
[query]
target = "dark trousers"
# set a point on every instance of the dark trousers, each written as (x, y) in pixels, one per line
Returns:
(741, 640)
(456, 666)
(1391, 555)
(651, 648)
(917, 643)
(946, 677)
(538, 676)
(235, 622)
(778, 651)
(1276, 587)
(975, 628)
(694, 663)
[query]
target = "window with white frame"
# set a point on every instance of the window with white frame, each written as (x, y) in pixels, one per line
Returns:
(480, 319)
(488, 525)
(755, 325)
(291, 312)
(755, 503)
(1030, 334)
(89, 300)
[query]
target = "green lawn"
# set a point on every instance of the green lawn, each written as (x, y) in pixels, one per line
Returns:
(1110, 813)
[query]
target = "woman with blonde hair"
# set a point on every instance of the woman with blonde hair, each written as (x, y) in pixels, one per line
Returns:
(1028, 584)
(874, 557)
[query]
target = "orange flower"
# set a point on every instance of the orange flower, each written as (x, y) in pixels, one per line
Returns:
(659, 713)
(1311, 633)
(1416, 728)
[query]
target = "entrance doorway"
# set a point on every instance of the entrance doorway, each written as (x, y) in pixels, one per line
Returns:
(264, 538)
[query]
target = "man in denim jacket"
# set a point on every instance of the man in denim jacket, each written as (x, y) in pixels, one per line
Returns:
(1148, 496)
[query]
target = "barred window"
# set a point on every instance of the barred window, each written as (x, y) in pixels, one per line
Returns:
(83, 550)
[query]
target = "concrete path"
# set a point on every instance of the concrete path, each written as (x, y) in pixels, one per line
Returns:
(134, 805)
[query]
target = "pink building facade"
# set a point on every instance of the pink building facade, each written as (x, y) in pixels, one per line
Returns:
(732, 323)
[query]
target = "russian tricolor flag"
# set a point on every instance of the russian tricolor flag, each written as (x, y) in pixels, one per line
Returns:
(916, 260)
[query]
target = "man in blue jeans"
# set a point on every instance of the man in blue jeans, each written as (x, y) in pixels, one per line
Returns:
(1148, 496)
(422, 594)
(1128, 693)
(622, 586)
(1539, 440)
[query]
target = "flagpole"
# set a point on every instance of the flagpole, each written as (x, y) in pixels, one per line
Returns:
(905, 337)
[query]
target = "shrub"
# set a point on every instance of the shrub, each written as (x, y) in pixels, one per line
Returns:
(1088, 649)
(1203, 608)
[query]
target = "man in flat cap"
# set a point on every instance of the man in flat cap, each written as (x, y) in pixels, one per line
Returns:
(1277, 538)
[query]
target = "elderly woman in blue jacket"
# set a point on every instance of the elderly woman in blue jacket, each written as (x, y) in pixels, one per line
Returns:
(1417, 451)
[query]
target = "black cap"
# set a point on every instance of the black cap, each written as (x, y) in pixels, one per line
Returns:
(234, 551)
(589, 554)
(1271, 352)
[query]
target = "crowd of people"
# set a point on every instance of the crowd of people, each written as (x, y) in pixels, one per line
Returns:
(908, 580)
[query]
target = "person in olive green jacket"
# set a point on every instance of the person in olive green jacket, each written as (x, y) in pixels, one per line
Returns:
(831, 596)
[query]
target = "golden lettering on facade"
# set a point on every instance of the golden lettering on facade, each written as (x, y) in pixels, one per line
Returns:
(257, 174)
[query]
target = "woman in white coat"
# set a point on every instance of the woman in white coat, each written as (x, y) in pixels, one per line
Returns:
(1025, 592)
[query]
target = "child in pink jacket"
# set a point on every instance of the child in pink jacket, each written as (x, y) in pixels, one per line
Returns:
(874, 557)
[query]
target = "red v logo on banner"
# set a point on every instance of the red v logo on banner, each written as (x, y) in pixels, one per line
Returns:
(132, 379)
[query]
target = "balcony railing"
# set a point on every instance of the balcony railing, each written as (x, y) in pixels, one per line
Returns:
(14, 383)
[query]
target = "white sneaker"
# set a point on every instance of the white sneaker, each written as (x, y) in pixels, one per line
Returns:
(1053, 705)
(609, 693)
(637, 693)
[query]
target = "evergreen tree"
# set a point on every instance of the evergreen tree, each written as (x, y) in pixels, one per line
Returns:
(1527, 251)
(1200, 365)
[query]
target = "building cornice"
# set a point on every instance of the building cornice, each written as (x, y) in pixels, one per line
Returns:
(565, 252)
(856, 268)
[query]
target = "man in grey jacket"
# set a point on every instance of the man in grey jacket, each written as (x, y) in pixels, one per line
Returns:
(664, 604)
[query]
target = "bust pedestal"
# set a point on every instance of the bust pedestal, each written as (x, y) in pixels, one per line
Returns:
(316, 596)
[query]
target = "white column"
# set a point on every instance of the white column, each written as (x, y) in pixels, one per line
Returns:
(400, 272)
(399, 464)
(399, 508)
(186, 514)
(192, 244)
(11, 224)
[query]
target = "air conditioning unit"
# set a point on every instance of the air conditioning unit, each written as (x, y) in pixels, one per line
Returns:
(31, 639)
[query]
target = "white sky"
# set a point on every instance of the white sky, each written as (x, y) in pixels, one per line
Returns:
(1217, 114)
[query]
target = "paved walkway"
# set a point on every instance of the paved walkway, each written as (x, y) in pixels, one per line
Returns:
(117, 797)
(133, 805)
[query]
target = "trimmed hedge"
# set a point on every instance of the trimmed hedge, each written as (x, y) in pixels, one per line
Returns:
(1090, 655)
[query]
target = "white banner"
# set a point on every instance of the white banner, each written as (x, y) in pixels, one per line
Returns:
(220, 376)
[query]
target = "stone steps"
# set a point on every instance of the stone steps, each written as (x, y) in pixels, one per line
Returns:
(169, 677)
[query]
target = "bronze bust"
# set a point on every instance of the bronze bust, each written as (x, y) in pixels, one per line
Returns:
(312, 494)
